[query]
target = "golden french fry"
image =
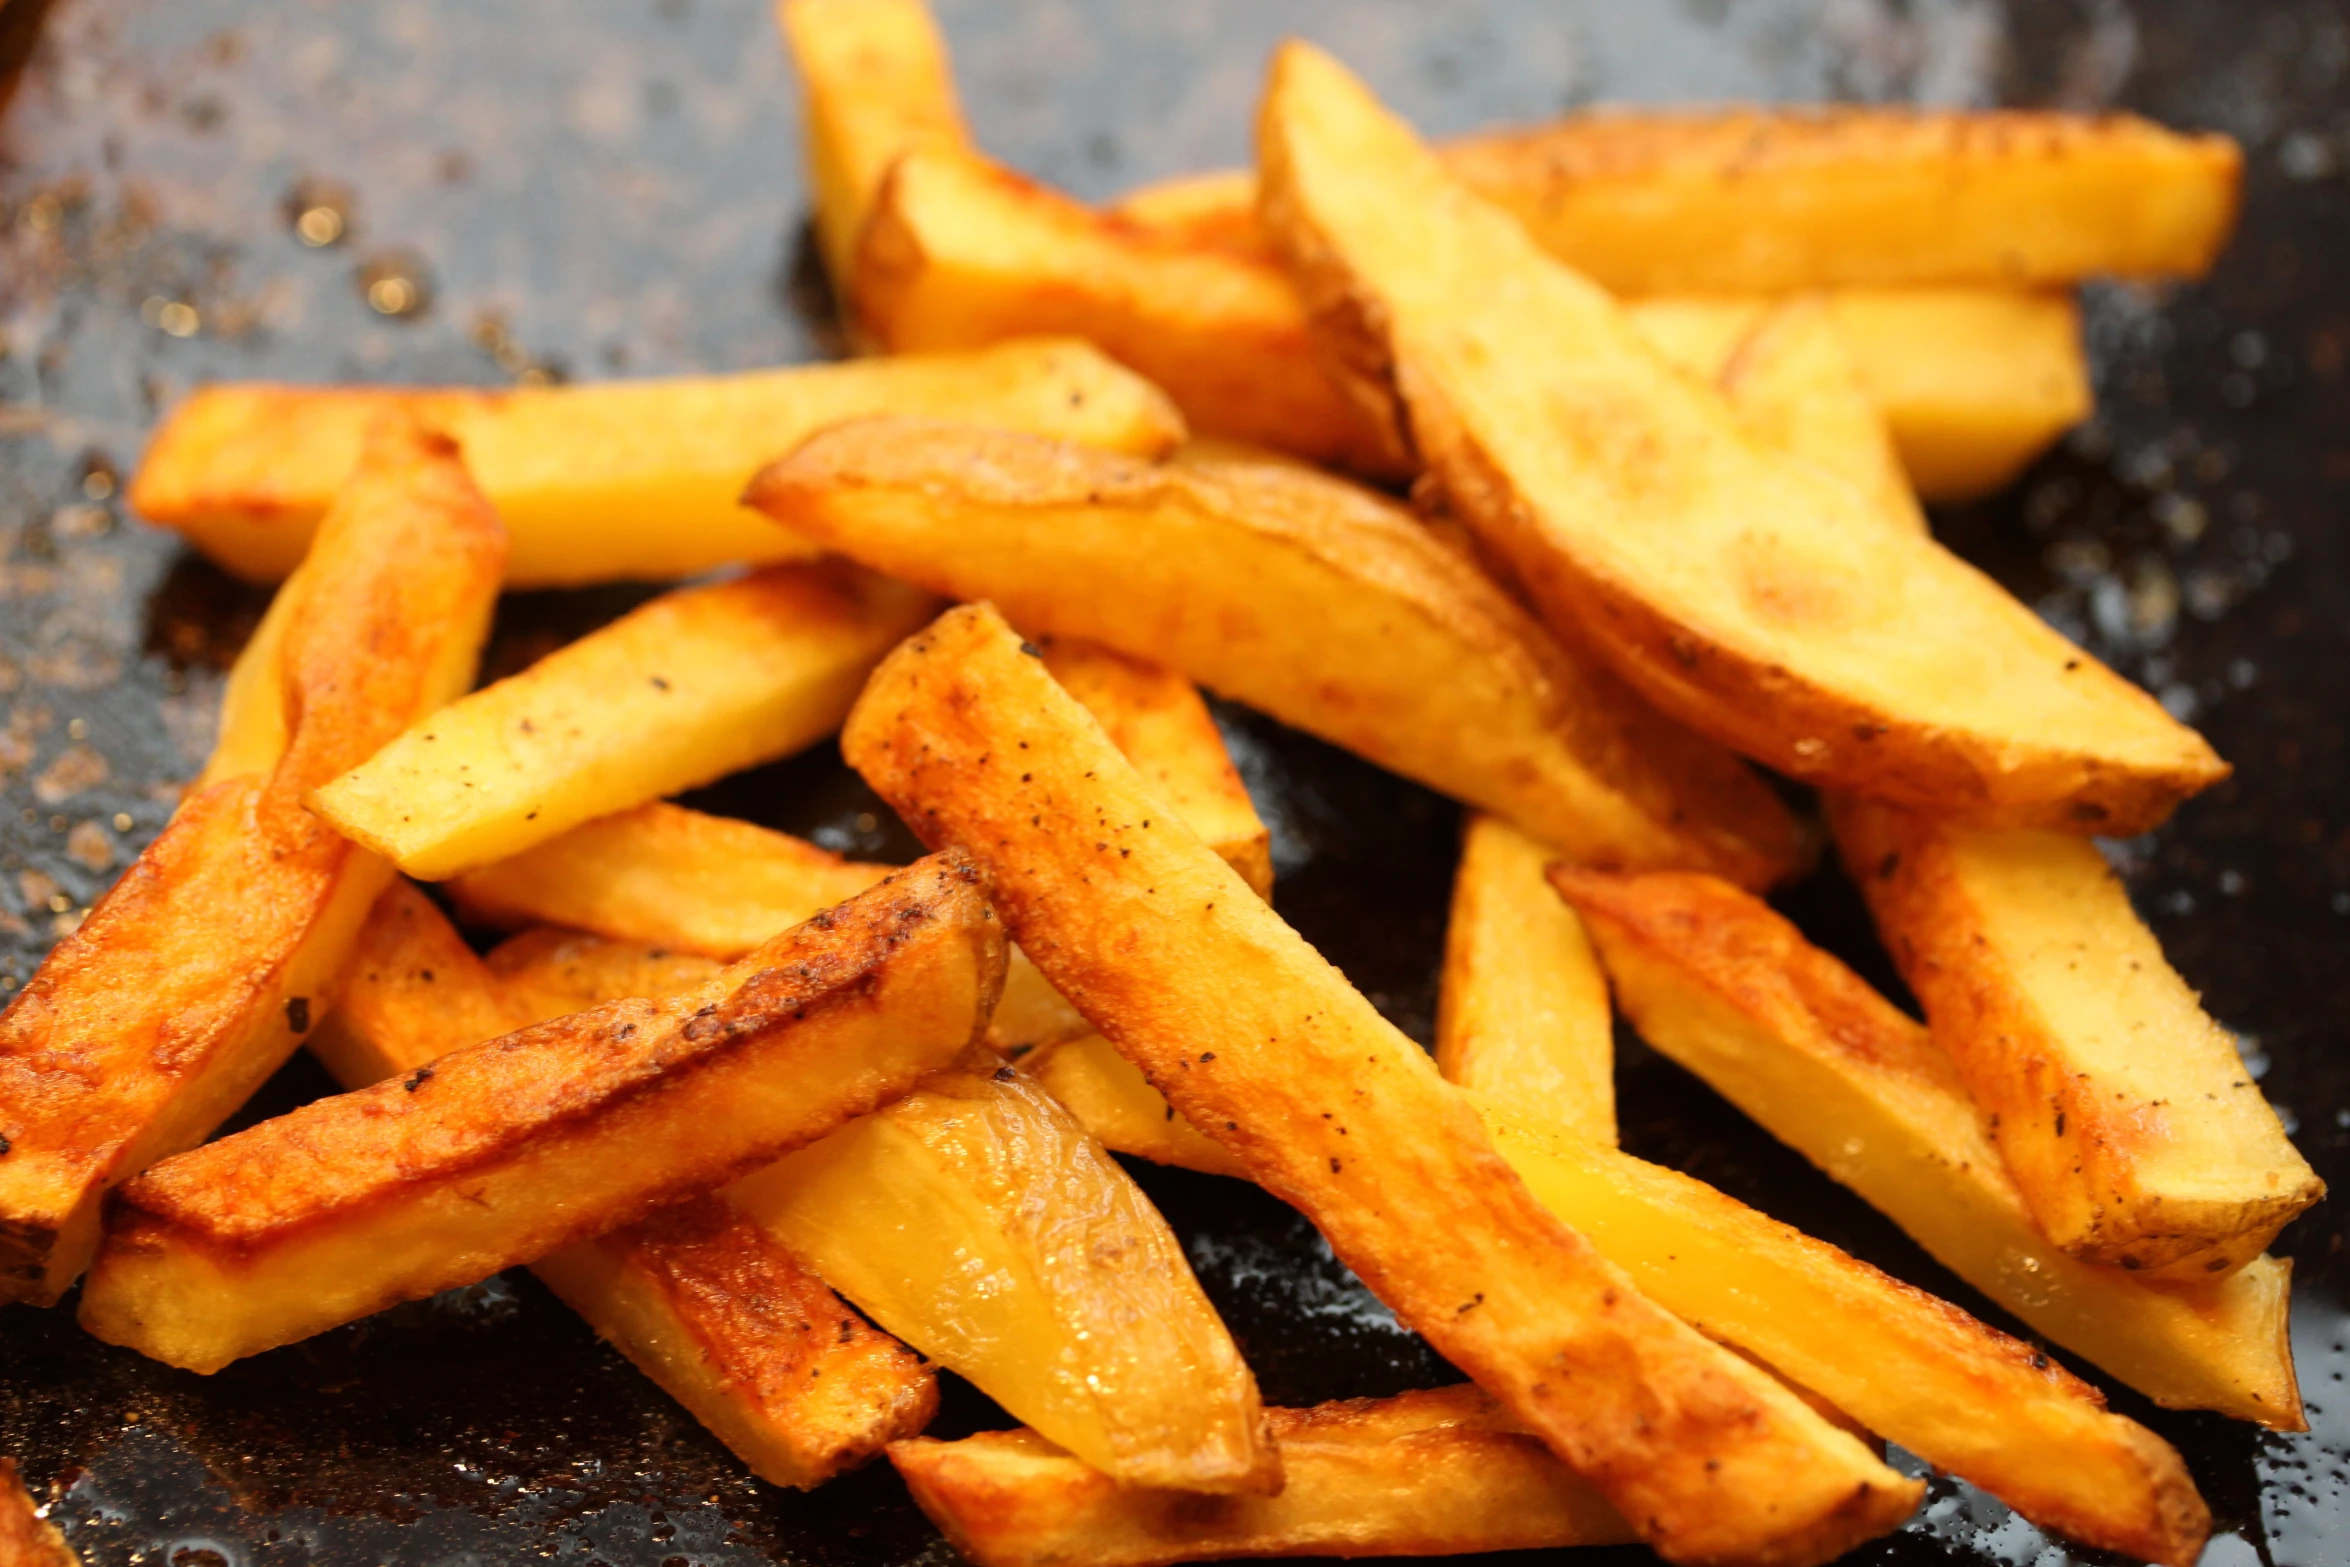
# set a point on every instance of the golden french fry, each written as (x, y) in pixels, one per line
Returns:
(1266, 1048)
(251, 734)
(547, 973)
(613, 479)
(1063, 1296)
(26, 1538)
(1962, 1396)
(1719, 982)
(1745, 593)
(1314, 600)
(960, 252)
(200, 971)
(1421, 1474)
(506, 1150)
(697, 684)
(1113, 1100)
(1795, 387)
(875, 82)
(2125, 1114)
(1521, 1005)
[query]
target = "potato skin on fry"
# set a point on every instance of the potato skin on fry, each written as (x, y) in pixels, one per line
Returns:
(202, 968)
(2124, 1112)
(502, 1152)
(1265, 1047)
(1746, 594)
(1427, 1473)
(1312, 599)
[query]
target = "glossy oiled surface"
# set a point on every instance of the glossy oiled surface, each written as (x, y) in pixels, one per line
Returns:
(615, 189)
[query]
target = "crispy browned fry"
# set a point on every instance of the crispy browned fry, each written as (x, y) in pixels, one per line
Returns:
(1266, 1048)
(1422, 1474)
(1770, 201)
(1314, 600)
(251, 735)
(1743, 592)
(27, 1539)
(1794, 385)
(506, 1150)
(606, 480)
(874, 83)
(1722, 984)
(201, 970)
(699, 683)
(1109, 1094)
(722, 1316)
(2123, 1111)
(1521, 1006)
(976, 1220)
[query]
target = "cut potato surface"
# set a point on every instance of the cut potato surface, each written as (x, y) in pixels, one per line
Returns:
(1116, 1103)
(506, 1150)
(697, 684)
(1265, 1047)
(1793, 384)
(1314, 600)
(2124, 1112)
(1751, 596)
(605, 480)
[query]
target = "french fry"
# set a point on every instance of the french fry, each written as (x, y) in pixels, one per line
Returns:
(1716, 980)
(2134, 1133)
(506, 1150)
(1313, 600)
(251, 734)
(723, 1318)
(547, 973)
(875, 83)
(1113, 1100)
(960, 252)
(1266, 1048)
(616, 479)
(1157, 721)
(1794, 386)
(1521, 1005)
(200, 971)
(699, 683)
(1746, 594)
(1421, 1474)
(1773, 201)
(27, 1539)
(1062, 1295)
(1963, 1397)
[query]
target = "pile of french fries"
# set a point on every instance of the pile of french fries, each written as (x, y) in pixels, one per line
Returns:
(792, 1131)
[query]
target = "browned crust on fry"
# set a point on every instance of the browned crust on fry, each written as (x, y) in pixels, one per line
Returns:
(26, 1538)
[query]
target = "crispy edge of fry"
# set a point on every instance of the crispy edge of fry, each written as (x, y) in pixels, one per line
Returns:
(875, 82)
(250, 735)
(724, 1319)
(1725, 986)
(1117, 1104)
(1708, 1458)
(1433, 1472)
(1521, 1004)
(1312, 599)
(198, 972)
(500, 1152)
(2087, 1140)
(28, 1539)
(698, 683)
(1780, 646)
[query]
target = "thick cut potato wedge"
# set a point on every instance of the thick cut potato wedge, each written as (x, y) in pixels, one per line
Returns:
(727, 1321)
(1263, 1045)
(27, 1539)
(1794, 386)
(977, 1220)
(2125, 1114)
(1770, 201)
(960, 252)
(1113, 1100)
(617, 479)
(1521, 1006)
(200, 971)
(1746, 593)
(697, 684)
(251, 734)
(1916, 1369)
(1722, 984)
(875, 82)
(506, 1150)
(1156, 719)
(1309, 598)
(1428, 1473)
